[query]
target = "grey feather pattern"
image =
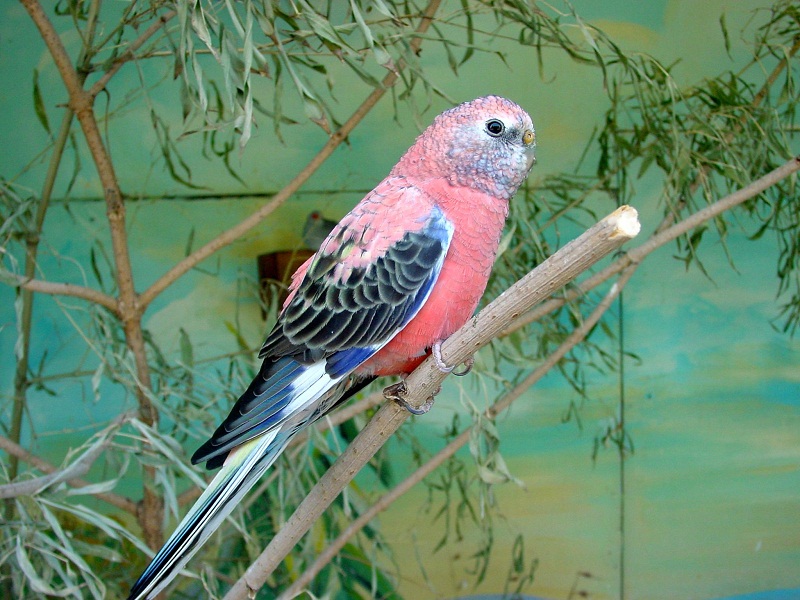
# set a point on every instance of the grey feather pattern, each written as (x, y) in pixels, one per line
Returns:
(329, 315)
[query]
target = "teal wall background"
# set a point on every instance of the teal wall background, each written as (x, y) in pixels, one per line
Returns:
(712, 492)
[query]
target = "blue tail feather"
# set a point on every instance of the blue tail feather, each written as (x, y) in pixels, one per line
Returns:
(213, 506)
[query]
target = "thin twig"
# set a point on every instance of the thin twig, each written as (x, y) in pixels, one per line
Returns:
(54, 288)
(130, 52)
(77, 469)
(14, 449)
(553, 273)
(21, 379)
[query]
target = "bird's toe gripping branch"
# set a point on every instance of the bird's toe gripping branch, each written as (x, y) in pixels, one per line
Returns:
(436, 350)
(397, 393)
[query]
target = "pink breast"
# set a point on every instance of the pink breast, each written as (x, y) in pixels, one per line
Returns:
(456, 293)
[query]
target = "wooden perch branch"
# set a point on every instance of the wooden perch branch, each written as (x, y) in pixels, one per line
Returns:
(555, 272)
(577, 335)
(573, 339)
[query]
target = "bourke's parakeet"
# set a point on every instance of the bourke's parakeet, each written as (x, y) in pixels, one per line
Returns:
(398, 274)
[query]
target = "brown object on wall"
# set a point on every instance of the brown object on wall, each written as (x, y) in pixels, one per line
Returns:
(277, 268)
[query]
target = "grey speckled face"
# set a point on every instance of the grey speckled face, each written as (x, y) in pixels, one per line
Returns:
(487, 144)
(493, 147)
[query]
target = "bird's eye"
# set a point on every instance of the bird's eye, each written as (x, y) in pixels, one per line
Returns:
(495, 128)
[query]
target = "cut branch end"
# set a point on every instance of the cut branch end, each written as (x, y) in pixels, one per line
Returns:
(625, 221)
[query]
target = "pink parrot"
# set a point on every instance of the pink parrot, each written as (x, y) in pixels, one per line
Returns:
(399, 274)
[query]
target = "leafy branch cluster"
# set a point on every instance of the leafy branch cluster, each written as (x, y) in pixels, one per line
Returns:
(700, 142)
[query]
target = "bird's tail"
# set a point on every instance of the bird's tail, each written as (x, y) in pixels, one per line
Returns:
(242, 469)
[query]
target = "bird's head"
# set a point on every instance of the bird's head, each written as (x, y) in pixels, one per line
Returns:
(486, 144)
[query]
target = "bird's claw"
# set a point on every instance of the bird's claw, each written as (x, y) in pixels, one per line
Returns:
(436, 350)
(397, 392)
(468, 364)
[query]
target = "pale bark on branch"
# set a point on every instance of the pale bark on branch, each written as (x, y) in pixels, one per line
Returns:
(553, 273)
(32, 487)
(577, 335)
(663, 234)
(128, 308)
(55, 288)
(67, 289)
(81, 103)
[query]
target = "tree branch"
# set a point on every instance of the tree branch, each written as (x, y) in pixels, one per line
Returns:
(660, 238)
(130, 52)
(570, 342)
(33, 236)
(81, 102)
(235, 232)
(129, 309)
(577, 335)
(553, 273)
(54, 288)
(78, 468)
(73, 478)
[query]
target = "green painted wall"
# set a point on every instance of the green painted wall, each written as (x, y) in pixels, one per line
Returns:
(711, 494)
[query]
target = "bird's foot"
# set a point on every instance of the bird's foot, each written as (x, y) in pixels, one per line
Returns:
(397, 393)
(436, 350)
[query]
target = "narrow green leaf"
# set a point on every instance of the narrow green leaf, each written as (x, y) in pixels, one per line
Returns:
(38, 103)
(95, 267)
(26, 566)
(97, 378)
(506, 241)
(187, 351)
(725, 36)
(76, 165)
(362, 24)
(240, 341)
(189, 242)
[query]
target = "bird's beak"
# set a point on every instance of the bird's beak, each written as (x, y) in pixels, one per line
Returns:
(529, 139)
(530, 156)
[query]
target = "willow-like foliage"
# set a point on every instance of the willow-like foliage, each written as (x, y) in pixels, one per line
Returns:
(233, 66)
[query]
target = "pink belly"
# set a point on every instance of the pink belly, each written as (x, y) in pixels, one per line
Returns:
(479, 221)
(451, 303)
